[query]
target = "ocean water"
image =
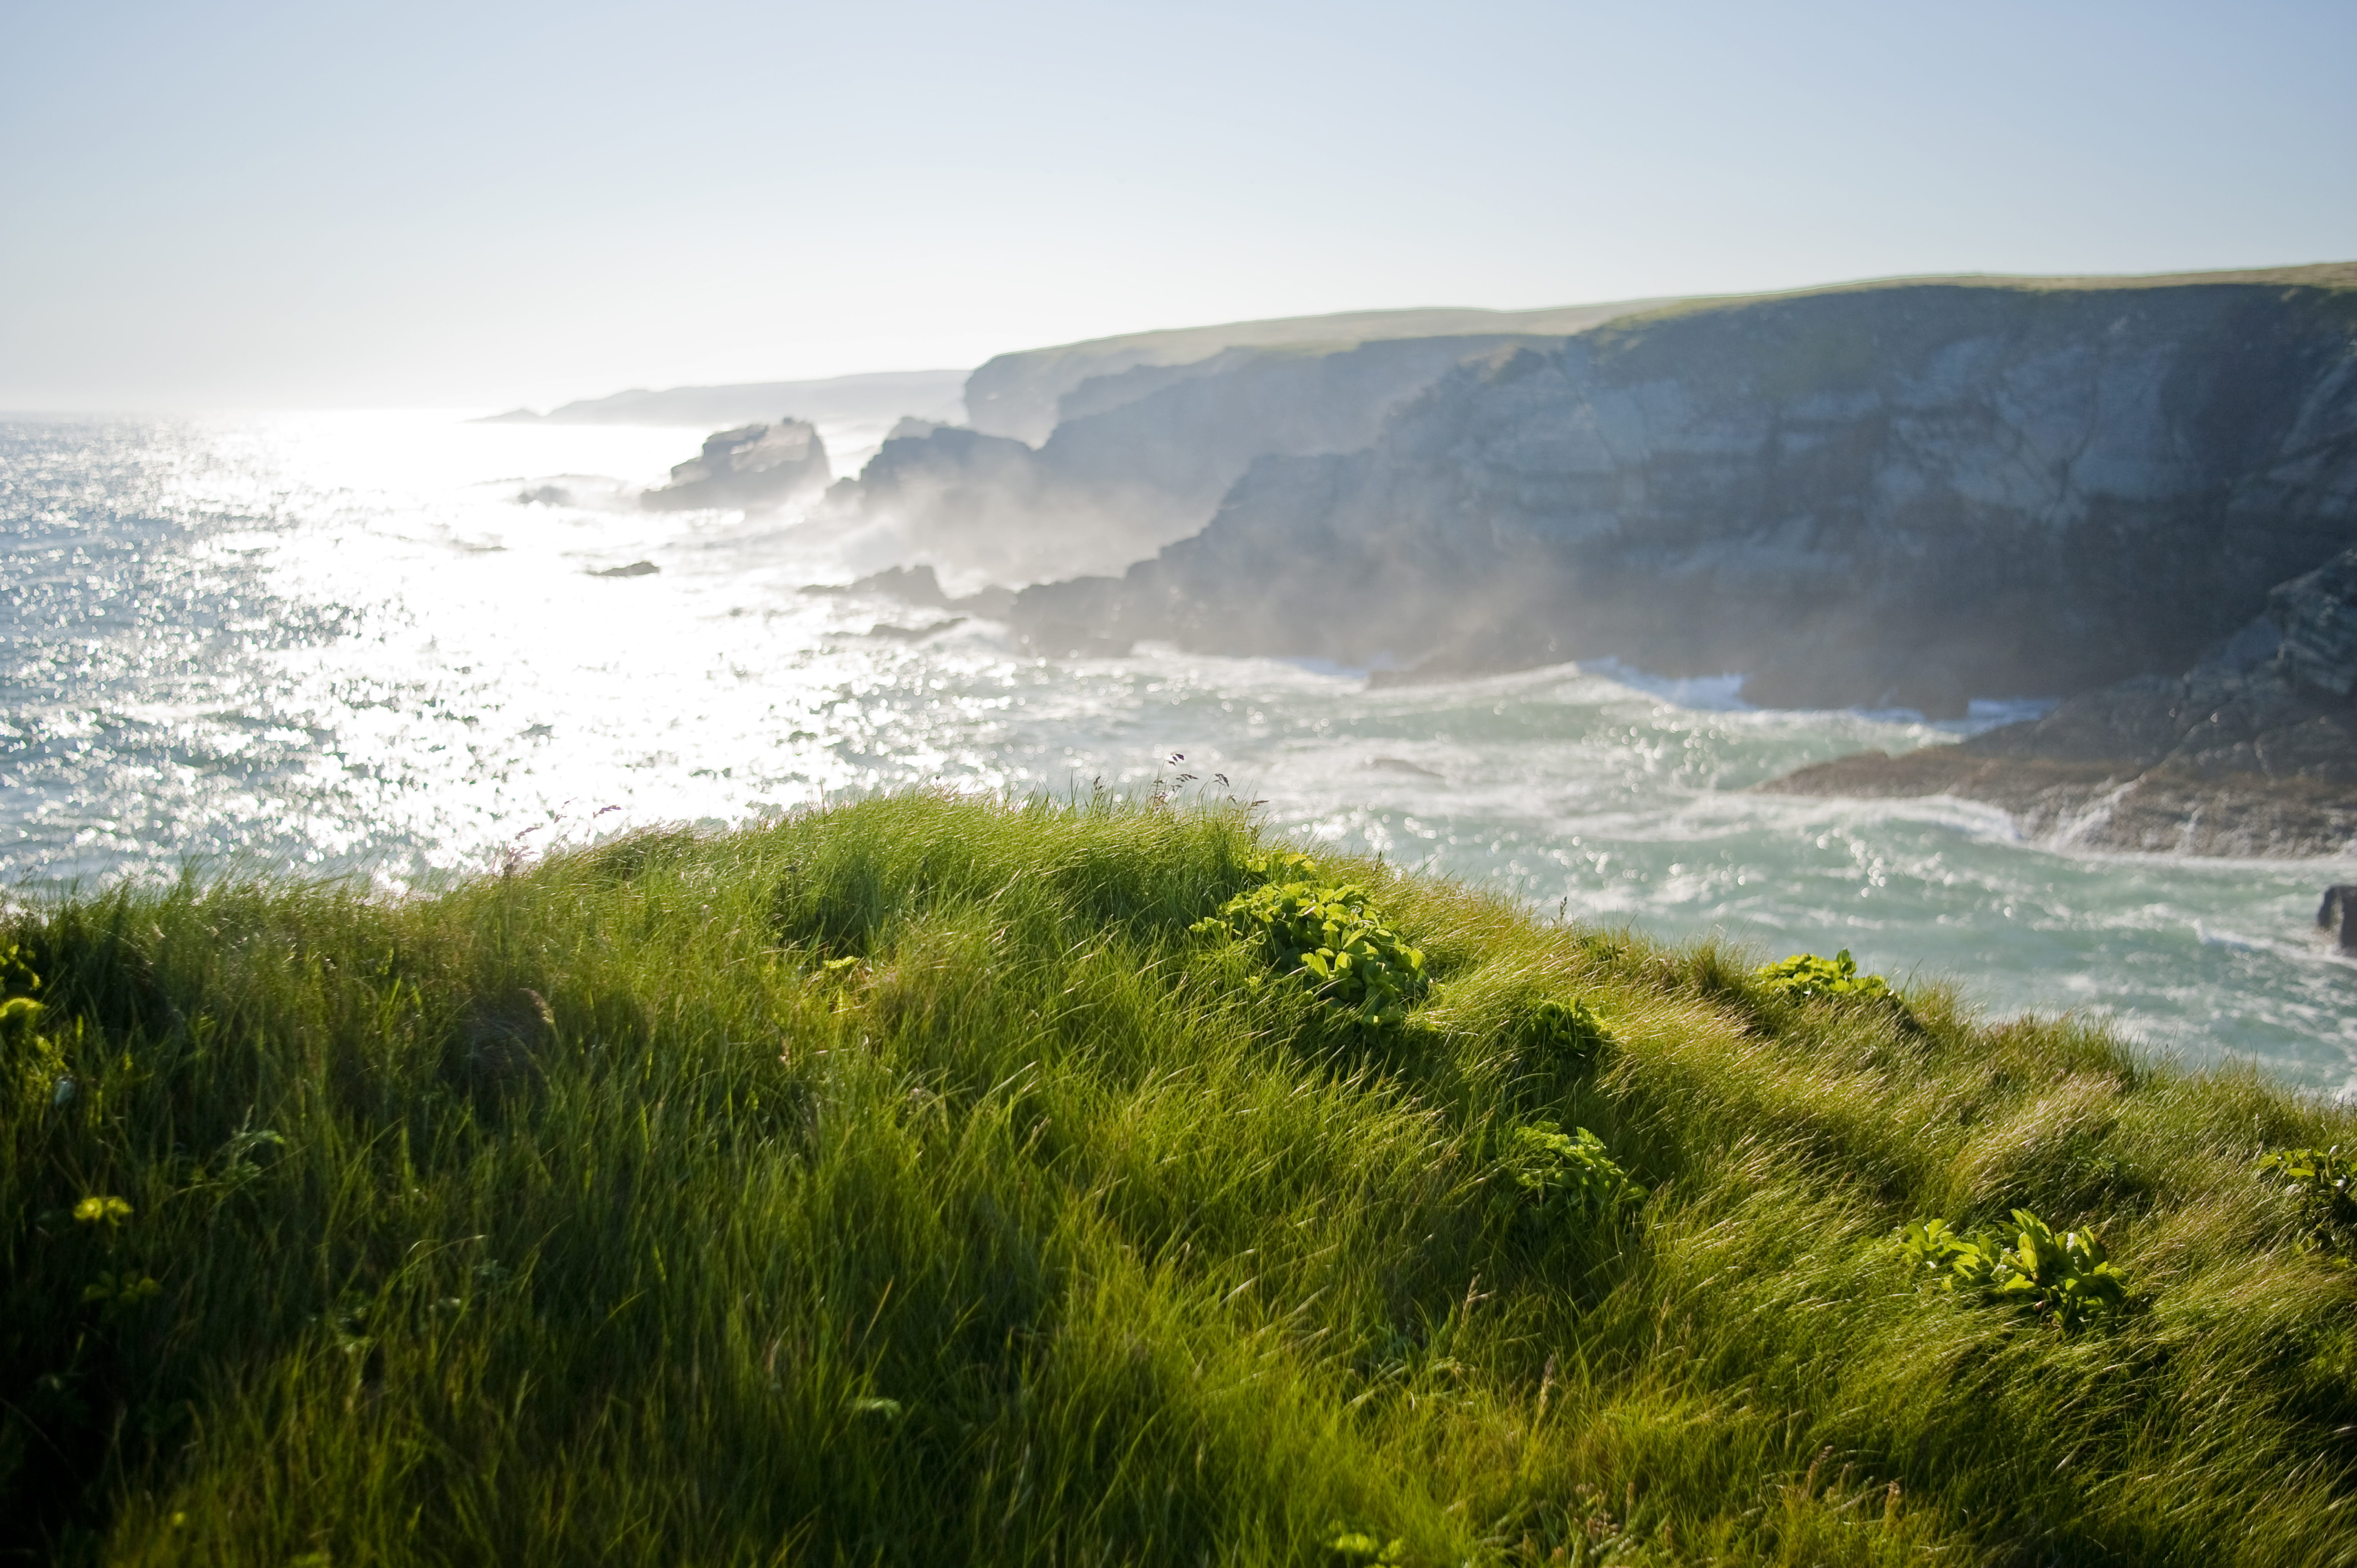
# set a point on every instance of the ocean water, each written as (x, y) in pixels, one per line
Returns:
(375, 644)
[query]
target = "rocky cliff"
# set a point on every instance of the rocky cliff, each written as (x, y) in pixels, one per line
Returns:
(2253, 752)
(1140, 457)
(754, 467)
(1905, 495)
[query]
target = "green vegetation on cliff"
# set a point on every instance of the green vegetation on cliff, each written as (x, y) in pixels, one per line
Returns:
(934, 1180)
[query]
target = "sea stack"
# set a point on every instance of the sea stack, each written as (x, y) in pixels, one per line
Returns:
(754, 467)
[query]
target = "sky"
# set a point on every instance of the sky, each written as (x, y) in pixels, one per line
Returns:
(209, 205)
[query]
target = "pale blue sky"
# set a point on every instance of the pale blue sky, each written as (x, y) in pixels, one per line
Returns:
(262, 204)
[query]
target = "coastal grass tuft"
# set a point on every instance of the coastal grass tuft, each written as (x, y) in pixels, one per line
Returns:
(911, 1182)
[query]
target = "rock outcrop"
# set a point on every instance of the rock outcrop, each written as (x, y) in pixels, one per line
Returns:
(1140, 457)
(2252, 752)
(1904, 495)
(2338, 914)
(754, 467)
(918, 585)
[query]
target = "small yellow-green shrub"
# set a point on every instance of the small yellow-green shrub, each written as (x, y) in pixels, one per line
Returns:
(2066, 1277)
(1327, 934)
(1804, 977)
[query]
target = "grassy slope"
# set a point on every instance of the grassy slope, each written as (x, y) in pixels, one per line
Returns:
(1015, 393)
(1152, 1265)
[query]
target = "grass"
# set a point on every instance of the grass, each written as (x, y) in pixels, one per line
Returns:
(903, 1184)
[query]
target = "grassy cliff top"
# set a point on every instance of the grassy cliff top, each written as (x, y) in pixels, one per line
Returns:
(915, 1182)
(1015, 393)
(2335, 279)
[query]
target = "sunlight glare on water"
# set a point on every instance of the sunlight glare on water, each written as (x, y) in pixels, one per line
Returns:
(346, 642)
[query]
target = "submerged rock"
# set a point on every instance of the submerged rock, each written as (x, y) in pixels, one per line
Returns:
(754, 467)
(1402, 765)
(891, 633)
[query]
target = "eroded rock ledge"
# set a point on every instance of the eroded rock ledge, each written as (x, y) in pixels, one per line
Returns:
(2093, 806)
(2253, 752)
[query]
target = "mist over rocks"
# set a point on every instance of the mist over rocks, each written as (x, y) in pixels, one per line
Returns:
(1880, 496)
(1139, 458)
(754, 467)
(918, 585)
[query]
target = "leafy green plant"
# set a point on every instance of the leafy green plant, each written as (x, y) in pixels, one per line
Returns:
(2320, 1180)
(123, 1290)
(1562, 1031)
(1567, 1174)
(1358, 1546)
(16, 974)
(2066, 1277)
(1326, 934)
(30, 1063)
(1805, 977)
(101, 1210)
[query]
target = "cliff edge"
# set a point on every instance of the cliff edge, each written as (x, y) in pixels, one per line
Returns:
(1892, 495)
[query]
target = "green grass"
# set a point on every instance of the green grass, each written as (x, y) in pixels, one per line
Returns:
(608, 1215)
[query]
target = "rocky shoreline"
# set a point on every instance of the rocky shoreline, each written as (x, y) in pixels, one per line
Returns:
(2088, 805)
(2252, 752)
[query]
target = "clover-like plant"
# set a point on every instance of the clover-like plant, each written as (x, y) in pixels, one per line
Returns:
(1327, 935)
(2067, 1277)
(1805, 977)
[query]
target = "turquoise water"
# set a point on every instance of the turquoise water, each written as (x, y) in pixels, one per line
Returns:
(344, 644)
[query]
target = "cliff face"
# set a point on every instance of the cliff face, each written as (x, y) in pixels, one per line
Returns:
(1139, 458)
(1906, 495)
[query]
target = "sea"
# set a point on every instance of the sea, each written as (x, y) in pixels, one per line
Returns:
(405, 647)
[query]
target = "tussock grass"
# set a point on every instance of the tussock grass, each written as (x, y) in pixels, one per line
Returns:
(900, 1184)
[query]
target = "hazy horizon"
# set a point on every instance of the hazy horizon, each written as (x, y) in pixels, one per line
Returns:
(590, 392)
(266, 205)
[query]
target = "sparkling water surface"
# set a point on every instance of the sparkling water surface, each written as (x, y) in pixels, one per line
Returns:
(350, 643)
